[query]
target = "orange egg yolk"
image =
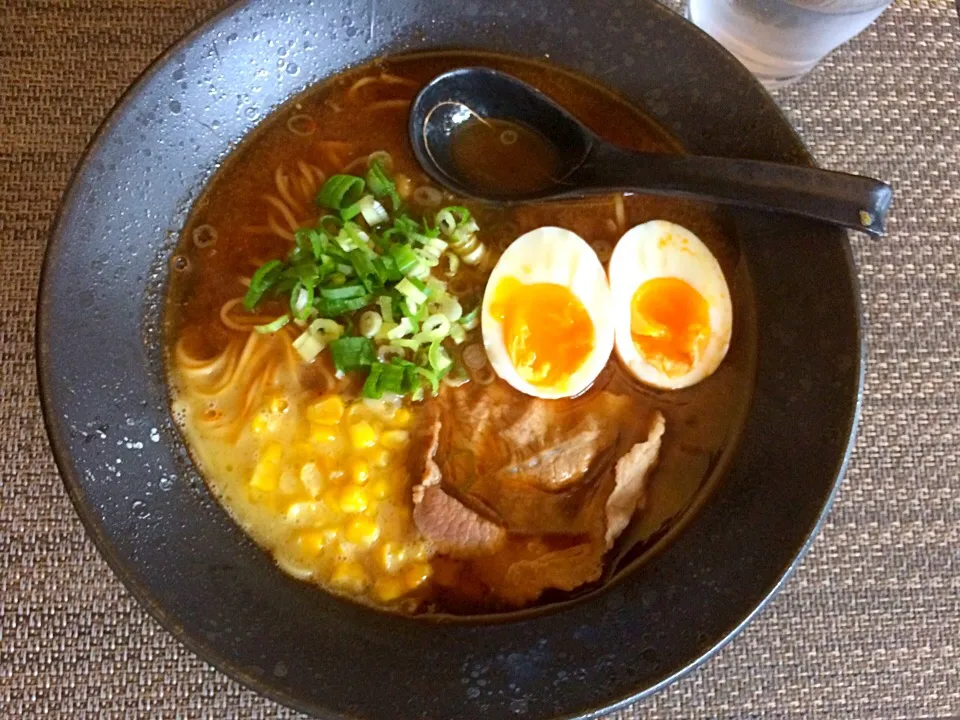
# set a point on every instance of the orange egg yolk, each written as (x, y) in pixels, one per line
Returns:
(546, 330)
(670, 324)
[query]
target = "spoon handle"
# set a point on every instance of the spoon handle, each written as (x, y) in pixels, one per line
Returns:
(851, 201)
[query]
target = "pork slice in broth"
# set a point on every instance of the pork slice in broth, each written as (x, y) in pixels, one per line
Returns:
(451, 526)
(630, 480)
(534, 466)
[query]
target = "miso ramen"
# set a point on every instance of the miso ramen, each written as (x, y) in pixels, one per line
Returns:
(431, 404)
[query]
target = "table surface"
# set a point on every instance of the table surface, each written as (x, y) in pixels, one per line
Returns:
(868, 627)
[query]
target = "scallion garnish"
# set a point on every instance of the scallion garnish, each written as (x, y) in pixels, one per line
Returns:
(352, 353)
(272, 327)
(368, 271)
(340, 191)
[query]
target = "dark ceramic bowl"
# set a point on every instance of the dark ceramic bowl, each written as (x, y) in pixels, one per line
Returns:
(149, 513)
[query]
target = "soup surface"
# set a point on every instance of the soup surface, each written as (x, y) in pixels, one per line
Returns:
(443, 489)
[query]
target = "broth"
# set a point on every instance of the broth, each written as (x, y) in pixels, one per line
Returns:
(281, 442)
(503, 156)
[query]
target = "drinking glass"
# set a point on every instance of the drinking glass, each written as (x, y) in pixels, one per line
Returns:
(781, 40)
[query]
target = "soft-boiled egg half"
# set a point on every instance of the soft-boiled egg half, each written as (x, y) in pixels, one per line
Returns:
(546, 315)
(672, 311)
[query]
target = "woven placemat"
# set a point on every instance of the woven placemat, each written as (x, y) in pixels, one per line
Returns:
(869, 627)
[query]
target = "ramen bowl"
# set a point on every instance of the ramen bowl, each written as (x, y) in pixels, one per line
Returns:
(104, 388)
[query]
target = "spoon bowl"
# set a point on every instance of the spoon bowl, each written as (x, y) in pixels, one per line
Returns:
(575, 162)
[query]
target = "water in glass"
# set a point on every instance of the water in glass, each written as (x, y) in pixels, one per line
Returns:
(780, 40)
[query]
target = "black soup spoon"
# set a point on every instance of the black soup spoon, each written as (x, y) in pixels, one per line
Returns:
(487, 135)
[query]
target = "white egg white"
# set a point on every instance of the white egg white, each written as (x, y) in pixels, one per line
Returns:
(557, 256)
(661, 249)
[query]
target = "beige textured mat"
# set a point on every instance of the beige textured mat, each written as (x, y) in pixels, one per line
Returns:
(869, 627)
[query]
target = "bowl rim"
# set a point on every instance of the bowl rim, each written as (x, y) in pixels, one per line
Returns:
(125, 572)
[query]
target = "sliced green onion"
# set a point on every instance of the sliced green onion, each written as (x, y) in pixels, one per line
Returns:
(371, 387)
(409, 290)
(427, 258)
(384, 329)
(343, 292)
(436, 247)
(403, 328)
(438, 358)
(392, 378)
(326, 329)
(471, 319)
(404, 257)
(363, 266)
(430, 377)
(413, 312)
(406, 344)
(369, 323)
(272, 327)
(372, 211)
(446, 222)
(351, 353)
(334, 308)
(386, 352)
(476, 255)
(386, 308)
(435, 327)
(457, 333)
(386, 268)
(454, 262)
(381, 184)
(340, 191)
(301, 301)
(465, 231)
(263, 279)
(308, 346)
(352, 237)
(456, 377)
(448, 306)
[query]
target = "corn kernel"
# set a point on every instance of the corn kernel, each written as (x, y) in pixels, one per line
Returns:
(331, 498)
(304, 513)
(362, 531)
(362, 435)
(390, 555)
(313, 542)
(327, 411)
(290, 482)
(272, 453)
(359, 471)
(402, 418)
(358, 411)
(349, 576)
(379, 457)
(266, 474)
(389, 588)
(304, 450)
(395, 439)
(260, 423)
(279, 405)
(417, 574)
(323, 435)
(311, 478)
(353, 499)
(380, 488)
